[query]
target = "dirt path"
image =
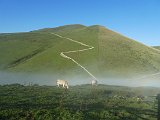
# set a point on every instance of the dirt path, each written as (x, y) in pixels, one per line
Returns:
(89, 48)
(63, 54)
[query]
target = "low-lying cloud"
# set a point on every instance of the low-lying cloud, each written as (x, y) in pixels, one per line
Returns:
(50, 79)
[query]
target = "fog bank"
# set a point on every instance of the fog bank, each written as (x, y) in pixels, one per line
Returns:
(50, 79)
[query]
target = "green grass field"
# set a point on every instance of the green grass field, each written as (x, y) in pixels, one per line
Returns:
(158, 47)
(83, 102)
(114, 54)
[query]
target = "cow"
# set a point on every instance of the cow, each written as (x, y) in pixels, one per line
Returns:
(64, 83)
(94, 82)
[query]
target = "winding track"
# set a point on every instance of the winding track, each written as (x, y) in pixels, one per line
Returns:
(89, 48)
(74, 51)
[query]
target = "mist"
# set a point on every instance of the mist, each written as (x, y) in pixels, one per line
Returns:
(50, 79)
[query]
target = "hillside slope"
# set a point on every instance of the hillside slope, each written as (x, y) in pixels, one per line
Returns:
(113, 55)
(157, 47)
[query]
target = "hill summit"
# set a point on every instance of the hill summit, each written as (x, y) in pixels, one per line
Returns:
(113, 55)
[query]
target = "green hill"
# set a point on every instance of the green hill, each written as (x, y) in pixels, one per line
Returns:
(157, 47)
(113, 55)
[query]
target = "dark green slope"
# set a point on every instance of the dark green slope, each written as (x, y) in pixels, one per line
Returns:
(15, 47)
(120, 53)
(114, 54)
(157, 47)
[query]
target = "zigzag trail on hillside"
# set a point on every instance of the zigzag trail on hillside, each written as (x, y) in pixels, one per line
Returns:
(74, 51)
(89, 48)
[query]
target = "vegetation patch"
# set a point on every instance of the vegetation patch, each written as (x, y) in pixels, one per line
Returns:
(83, 102)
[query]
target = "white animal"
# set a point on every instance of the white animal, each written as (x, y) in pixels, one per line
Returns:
(94, 82)
(64, 83)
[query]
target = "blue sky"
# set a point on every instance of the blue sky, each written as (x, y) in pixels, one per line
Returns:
(137, 19)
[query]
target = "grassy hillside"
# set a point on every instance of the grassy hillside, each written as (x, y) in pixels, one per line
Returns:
(157, 47)
(114, 54)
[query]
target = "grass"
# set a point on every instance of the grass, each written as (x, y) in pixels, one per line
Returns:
(114, 54)
(99, 102)
(158, 47)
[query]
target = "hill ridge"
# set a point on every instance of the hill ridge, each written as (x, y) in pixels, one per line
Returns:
(113, 53)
